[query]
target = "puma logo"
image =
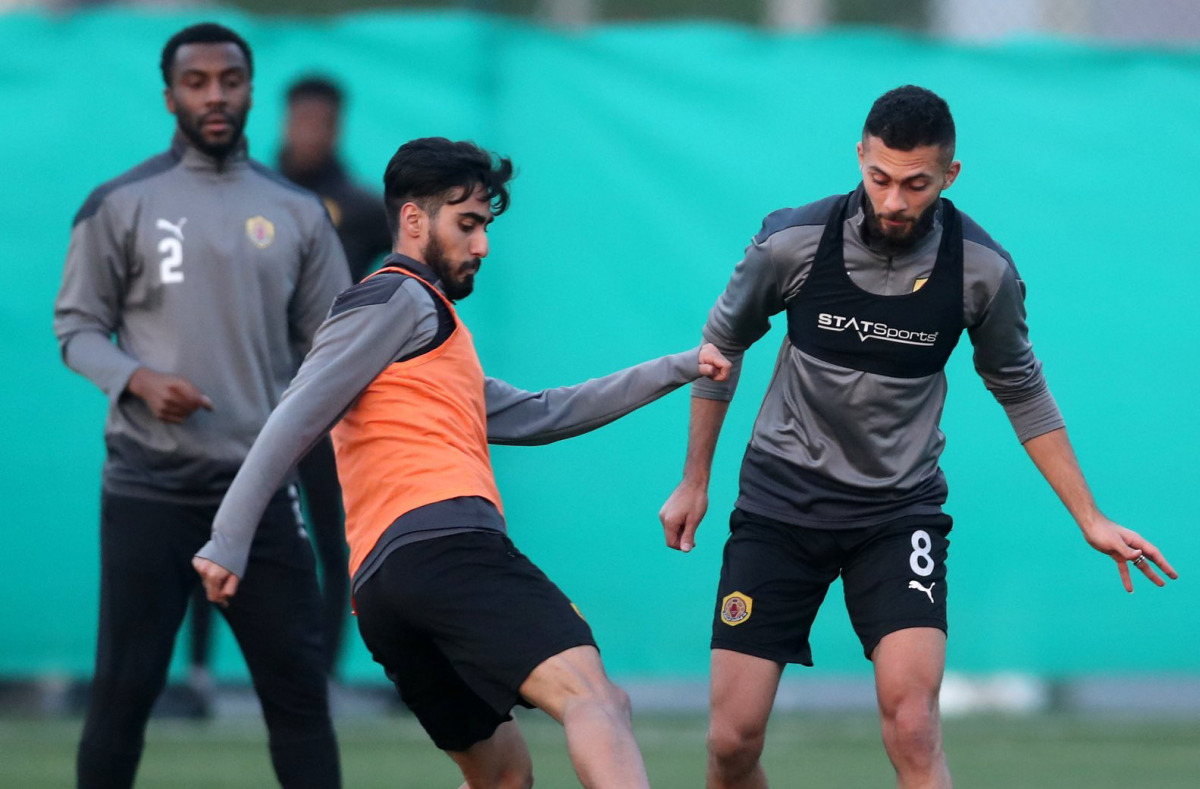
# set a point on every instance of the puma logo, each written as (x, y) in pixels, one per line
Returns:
(928, 592)
(175, 230)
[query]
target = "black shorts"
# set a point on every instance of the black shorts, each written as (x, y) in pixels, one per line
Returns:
(774, 577)
(459, 623)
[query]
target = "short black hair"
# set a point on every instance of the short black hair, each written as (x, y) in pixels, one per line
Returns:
(203, 33)
(316, 86)
(909, 117)
(434, 171)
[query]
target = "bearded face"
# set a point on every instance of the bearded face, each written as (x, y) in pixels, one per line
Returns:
(210, 96)
(457, 275)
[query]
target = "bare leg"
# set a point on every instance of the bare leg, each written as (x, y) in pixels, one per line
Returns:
(908, 676)
(499, 762)
(743, 691)
(573, 689)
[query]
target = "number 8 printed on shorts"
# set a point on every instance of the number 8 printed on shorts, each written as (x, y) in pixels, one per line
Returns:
(919, 560)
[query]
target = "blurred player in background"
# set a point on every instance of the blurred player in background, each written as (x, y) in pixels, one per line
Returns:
(212, 273)
(841, 474)
(464, 624)
(308, 158)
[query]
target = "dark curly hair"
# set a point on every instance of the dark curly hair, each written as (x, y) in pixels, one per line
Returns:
(909, 117)
(434, 171)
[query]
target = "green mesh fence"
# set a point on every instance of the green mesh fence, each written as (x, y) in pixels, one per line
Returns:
(648, 156)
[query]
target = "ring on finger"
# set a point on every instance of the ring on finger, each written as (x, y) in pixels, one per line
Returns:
(1138, 562)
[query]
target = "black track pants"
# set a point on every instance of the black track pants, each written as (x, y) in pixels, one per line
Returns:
(146, 577)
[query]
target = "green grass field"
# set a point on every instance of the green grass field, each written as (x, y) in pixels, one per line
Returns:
(810, 751)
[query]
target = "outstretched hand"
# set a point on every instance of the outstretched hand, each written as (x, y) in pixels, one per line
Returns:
(1127, 547)
(681, 515)
(219, 584)
(713, 364)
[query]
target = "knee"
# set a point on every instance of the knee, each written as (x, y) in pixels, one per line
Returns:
(732, 745)
(607, 697)
(617, 700)
(913, 726)
(120, 705)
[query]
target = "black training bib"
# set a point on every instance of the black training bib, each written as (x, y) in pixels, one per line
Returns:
(906, 336)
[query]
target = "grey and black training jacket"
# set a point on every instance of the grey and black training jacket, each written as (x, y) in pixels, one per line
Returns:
(217, 271)
(835, 447)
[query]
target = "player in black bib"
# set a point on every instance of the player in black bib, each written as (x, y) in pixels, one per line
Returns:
(841, 475)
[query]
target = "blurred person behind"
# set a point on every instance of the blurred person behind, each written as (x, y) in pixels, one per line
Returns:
(308, 157)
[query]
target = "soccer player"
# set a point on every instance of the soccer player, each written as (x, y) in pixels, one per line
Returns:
(212, 273)
(462, 622)
(841, 473)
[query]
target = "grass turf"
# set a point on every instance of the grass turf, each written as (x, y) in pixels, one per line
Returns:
(802, 751)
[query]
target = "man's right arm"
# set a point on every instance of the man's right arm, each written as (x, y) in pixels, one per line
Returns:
(349, 350)
(738, 319)
(87, 310)
(683, 511)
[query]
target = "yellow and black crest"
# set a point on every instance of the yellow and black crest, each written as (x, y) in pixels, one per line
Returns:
(736, 607)
(260, 231)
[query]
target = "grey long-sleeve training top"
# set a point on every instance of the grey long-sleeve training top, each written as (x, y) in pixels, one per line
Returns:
(218, 271)
(837, 448)
(379, 321)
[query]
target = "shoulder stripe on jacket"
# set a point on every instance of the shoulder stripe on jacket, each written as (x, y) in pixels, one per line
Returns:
(378, 289)
(817, 213)
(147, 169)
(975, 234)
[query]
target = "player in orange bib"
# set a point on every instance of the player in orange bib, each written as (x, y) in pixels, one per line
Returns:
(464, 624)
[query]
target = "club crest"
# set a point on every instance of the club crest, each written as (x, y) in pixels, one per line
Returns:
(260, 231)
(334, 210)
(735, 608)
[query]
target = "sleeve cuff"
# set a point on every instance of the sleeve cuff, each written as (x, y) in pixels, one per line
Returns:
(120, 380)
(220, 554)
(1034, 417)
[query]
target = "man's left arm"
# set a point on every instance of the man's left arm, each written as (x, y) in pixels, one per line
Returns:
(1052, 454)
(1005, 360)
(518, 417)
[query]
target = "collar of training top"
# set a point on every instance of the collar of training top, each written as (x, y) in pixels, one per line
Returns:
(422, 270)
(194, 158)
